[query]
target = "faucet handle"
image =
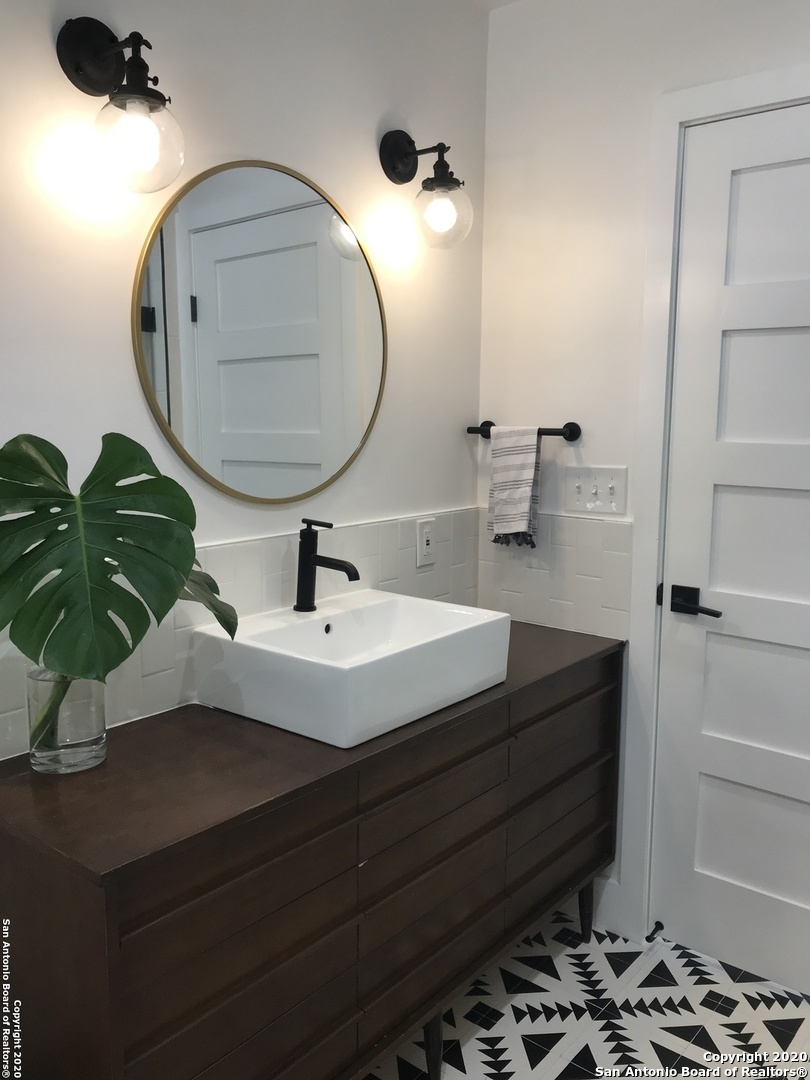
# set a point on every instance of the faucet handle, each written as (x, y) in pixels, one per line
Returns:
(309, 522)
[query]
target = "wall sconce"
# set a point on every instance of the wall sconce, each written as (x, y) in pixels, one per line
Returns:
(444, 209)
(140, 133)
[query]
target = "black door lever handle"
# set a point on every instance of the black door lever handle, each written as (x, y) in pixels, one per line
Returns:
(685, 599)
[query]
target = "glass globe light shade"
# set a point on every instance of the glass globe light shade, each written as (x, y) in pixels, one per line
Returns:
(445, 215)
(143, 142)
(343, 239)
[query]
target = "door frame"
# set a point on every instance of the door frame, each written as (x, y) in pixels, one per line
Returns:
(624, 898)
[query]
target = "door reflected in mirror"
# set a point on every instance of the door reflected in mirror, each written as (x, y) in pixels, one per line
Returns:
(259, 332)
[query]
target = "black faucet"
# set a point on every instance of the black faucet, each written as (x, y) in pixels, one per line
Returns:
(309, 560)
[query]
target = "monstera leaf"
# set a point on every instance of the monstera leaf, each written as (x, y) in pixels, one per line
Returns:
(201, 587)
(80, 574)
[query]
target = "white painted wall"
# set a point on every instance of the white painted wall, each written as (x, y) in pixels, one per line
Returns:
(573, 89)
(311, 85)
(570, 91)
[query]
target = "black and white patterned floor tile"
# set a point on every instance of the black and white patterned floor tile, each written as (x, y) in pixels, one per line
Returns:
(554, 1008)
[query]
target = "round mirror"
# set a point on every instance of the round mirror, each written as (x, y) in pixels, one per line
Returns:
(259, 332)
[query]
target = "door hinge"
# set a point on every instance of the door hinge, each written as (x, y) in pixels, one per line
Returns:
(193, 300)
(659, 595)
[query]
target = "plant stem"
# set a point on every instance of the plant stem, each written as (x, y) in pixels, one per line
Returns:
(46, 726)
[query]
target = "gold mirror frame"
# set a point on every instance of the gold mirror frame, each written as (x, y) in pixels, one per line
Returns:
(140, 356)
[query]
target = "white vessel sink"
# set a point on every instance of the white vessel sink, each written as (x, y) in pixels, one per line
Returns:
(364, 663)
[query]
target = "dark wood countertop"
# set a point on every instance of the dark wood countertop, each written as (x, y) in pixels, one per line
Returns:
(171, 776)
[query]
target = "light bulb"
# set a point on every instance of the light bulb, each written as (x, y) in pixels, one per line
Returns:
(134, 139)
(144, 143)
(445, 215)
(440, 214)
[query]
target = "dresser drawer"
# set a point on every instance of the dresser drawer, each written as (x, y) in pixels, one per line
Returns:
(568, 685)
(160, 946)
(326, 1059)
(418, 942)
(431, 755)
(558, 801)
(321, 1031)
(405, 1002)
(199, 982)
(406, 860)
(203, 1036)
(559, 878)
(547, 752)
(434, 799)
(408, 904)
(530, 860)
(589, 713)
(146, 889)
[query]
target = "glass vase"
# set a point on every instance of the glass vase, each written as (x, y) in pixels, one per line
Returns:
(66, 724)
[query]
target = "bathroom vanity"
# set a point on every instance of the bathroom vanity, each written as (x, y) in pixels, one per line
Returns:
(225, 899)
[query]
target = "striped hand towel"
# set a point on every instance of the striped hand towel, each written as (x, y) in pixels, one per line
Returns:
(514, 487)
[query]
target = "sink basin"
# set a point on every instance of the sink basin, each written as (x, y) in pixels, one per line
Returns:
(364, 663)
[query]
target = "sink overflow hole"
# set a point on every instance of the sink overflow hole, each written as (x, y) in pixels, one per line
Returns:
(328, 628)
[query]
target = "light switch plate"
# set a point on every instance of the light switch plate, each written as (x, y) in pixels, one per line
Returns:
(589, 490)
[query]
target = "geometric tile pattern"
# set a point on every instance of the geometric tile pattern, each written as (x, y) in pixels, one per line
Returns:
(555, 1008)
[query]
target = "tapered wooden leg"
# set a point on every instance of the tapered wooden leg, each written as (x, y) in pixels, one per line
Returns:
(586, 911)
(433, 1046)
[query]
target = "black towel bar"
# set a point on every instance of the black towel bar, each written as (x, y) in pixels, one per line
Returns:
(570, 431)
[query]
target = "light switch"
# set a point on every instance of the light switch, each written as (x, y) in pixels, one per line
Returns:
(590, 490)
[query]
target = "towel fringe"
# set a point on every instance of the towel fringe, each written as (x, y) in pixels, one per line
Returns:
(519, 538)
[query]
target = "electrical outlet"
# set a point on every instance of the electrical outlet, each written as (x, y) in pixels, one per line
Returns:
(595, 491)
(424, 541)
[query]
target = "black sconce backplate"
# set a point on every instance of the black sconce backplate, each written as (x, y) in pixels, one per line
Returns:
(398, 156)
(85, 48)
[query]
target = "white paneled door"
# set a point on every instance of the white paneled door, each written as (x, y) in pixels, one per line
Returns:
(269, 351)
(731, 822)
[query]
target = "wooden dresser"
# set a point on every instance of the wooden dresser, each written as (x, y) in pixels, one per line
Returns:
(223, 900)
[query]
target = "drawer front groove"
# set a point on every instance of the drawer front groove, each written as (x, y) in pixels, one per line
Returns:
(416, 809)
(144, 891)
(432, 755)
(559, 879)
(232, 968)
(325, 1059)
(186, 932)
(555, 803)
(402, 862)
(530, 860)
(391, 915)
(562, 689)
(595, 712)
(181, 1053)
(328, 1016)
(414, 945)
(435, 976)
(529, 784)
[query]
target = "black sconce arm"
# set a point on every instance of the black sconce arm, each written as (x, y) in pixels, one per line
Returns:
(92, 57)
